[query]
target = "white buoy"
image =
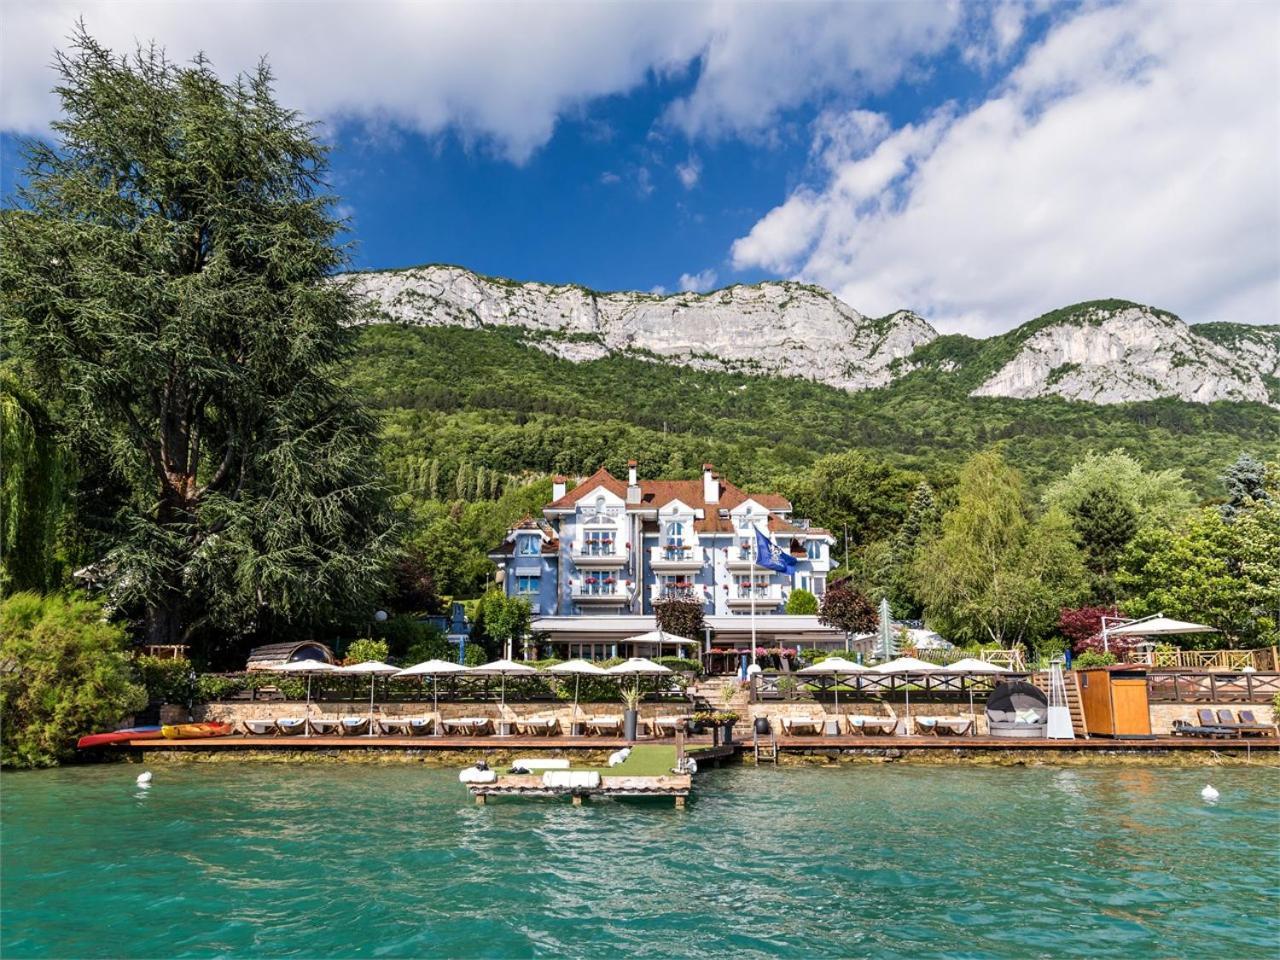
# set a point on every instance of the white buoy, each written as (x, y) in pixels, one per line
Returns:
(144, 779)
(1209, 795)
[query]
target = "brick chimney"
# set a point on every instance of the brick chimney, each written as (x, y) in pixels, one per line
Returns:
(710, 485)
(557, 486)
(633, 484)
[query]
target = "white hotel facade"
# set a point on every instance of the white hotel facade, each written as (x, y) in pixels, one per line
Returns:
(593, 565)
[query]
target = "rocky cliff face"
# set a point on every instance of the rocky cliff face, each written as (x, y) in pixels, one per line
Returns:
(1114, 352)
(1101, 352)
(788, 329)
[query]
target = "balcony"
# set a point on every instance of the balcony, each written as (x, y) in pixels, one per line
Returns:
(740, 557)
(660, 591)
(675, 558)
(765, 598)
(599, 590)
(598, 555)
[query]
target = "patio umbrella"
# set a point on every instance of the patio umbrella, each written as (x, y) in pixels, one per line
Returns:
(432, 669)
(503, 669)
(576, 669)
(833, 667)
(971, 666)
(1157, 626)
(908, 665)
(658, 638)
(309, 668)
(371, 668)
(638, 667)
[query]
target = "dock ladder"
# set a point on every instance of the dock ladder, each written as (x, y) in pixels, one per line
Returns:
(766, 750)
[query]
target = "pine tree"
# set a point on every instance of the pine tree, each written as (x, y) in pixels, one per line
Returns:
(168, 281)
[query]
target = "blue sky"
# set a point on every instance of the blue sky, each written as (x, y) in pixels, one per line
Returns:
(977, 162)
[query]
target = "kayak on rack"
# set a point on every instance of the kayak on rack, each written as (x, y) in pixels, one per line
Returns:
(189, 731)
(118, 736)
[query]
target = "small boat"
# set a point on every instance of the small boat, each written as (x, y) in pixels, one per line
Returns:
(189, 731)
(118, 736)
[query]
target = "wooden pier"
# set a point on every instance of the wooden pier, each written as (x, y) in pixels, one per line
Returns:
(676, 786)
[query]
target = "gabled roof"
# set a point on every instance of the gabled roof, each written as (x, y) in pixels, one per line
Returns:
(527, 524)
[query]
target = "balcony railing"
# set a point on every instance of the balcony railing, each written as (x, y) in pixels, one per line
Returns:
(691, 592)
(598, 548)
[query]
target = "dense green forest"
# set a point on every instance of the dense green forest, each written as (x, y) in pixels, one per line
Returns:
(456, 399)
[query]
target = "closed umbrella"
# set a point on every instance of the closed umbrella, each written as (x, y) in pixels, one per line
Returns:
(833, 667)
(433, 669)
(309, 668)
(503, 669)
(908, 665)
(971, 666)
(371, 668)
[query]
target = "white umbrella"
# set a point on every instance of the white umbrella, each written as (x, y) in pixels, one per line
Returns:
(372, 668)
(908, 665)
(638, 667)
(577, 668)
(1158, 627)
(659, 638)
(309, 668)
(432, 669)
(833, 667)
(503, 669)
(970, 666)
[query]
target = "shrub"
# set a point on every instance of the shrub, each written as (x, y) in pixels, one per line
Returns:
(1093, 658)
(166, 680)
(362, 651)
(681, 617)
(680, 664)
(210, 686)
(403, 633)
(802, 603)
(66, 674)
(432, 644)
(474, 655)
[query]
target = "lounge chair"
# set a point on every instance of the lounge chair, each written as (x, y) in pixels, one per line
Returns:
(353, 726)
(954, 727)
(259, 728)
(291, 726)
(420, 726)
(791, 726)
(872, 726)
(542, 726)
(393, 726)
(323, 726)
(468, 726)
(604, 725)
(1247, 726)
(1186, 728)
(666, 726)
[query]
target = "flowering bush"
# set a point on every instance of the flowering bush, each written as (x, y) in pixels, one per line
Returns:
(1093, 658)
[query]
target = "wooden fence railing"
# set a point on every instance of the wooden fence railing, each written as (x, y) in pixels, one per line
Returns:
(1011, 658)
(1263, 658)
(1211, 686)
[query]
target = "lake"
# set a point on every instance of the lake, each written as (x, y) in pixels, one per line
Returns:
(240, 859)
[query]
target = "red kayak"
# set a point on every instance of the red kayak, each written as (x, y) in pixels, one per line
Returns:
(118, 736)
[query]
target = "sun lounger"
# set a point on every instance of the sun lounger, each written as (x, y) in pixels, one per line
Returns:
(944, 726)
(353, 726)
(259, 728)
(872, 726)
(419, 726)
(468, 726)
(1247, 725)
(393, 726)
(323, 726)
(604, 725)
(291, 726)
(665, 726)
(802, 726)
(1185, 728)
(536, 726)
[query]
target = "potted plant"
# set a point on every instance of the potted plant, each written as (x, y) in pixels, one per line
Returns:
(725, 721)
(631, 712)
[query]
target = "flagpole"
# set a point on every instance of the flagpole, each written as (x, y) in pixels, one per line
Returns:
(754, 547)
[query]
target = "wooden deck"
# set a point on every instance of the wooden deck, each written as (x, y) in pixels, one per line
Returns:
(847, 742)
(676, 786)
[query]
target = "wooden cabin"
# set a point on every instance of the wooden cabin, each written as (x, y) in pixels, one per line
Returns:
(1114, 700)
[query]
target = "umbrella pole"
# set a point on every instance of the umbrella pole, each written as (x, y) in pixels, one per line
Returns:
(306, 721)
(907, 689)
(573, 720)
(373, 679)
(435, 705)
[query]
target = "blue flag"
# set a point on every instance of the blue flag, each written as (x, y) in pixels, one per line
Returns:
(772, 556)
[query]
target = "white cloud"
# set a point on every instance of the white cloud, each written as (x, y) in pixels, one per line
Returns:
(498, 73)
(608, 178)
(658, 290)
(699, 282)
(1132, 153)
(689, 172)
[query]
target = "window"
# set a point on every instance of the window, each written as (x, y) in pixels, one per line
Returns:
(813, 549)
(527, 585)
(599, 543)
(528, 546)
(675, 586)
(675, 532)
(599, 585)
(804, 582)
(744, 589)
(819, 586)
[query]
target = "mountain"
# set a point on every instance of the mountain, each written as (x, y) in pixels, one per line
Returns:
(1101, 352)
(788, 329)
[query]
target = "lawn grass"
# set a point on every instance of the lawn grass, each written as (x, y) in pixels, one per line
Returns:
(646, 760)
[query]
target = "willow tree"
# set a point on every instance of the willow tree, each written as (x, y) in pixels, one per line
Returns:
(168, 282)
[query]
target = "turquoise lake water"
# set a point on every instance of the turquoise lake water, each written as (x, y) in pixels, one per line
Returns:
(865, 861)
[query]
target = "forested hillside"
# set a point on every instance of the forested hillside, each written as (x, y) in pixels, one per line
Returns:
(483, 403)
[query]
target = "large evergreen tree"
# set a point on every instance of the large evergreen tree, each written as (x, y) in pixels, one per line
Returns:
(168, 287)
